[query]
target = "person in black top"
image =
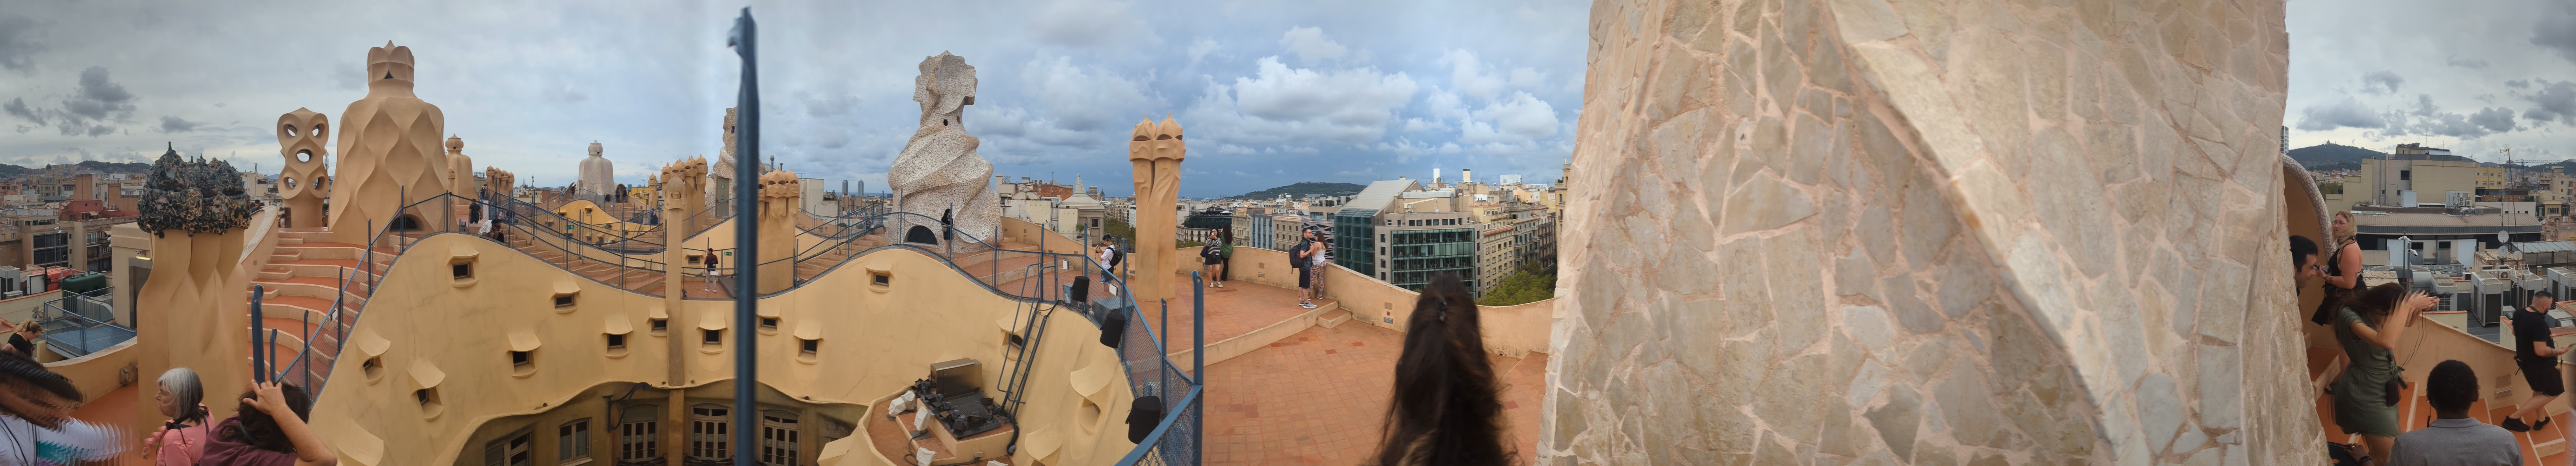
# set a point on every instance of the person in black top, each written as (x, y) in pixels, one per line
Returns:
(2537, 354)
(1213, 257)
(1302, 257)
(2342, 272)
(24, 340)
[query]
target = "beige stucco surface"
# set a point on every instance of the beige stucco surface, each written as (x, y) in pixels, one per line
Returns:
(390, 153)
(1928, 232)
(1513, 331)
(874, 340)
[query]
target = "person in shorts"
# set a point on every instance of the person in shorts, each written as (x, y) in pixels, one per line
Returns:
(2537, 354)
(1302, 257)
(1212, 256)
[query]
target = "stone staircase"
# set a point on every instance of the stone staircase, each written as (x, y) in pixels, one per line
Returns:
(303, 278)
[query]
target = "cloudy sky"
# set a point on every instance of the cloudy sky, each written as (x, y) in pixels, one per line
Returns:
(2476, 76)
(1271, 91)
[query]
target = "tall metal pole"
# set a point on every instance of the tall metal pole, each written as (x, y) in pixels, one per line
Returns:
(746, 234)
(1198, 363)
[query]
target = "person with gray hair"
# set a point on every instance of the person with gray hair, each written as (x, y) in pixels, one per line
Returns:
(182, 439)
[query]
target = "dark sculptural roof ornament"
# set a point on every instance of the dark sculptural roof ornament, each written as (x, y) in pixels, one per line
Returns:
(202, 196)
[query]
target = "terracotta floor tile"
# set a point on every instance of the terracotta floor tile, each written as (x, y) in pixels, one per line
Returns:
(1330, 410)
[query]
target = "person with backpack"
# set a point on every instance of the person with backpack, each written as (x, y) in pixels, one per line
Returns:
(1110, 257)
(1213, 257)
(1302, 258)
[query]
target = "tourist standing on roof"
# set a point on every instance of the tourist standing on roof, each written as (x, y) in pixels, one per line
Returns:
(2342, 268)
(2368, 325)
(1212, 257)
(711, 271)
(2456, 439)
(2537, 354)
(1323, 258)
(181, 440)
(1300, 258)
(1447, 407)
(24, 340)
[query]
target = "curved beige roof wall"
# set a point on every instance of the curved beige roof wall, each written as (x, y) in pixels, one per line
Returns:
(1972, 232)
(454, 336)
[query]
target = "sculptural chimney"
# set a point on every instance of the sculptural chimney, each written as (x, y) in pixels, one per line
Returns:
(460, 168)
(303, 137)
(1155, 153)
(779, 196)
(938, 173)
(389, 154)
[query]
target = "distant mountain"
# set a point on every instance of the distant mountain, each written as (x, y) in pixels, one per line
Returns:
(114, 167)
(2335, 166)
(2317, 156)
(2567, 165)
(1310, 188)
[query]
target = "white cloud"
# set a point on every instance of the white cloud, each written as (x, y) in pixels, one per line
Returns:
(1445, 105)
(1310, 45)
(1528, 78)
(1083, 23)
(1200, 49)
(1081, 98)
(1418, 125)
(1003, 123)
(1467, 75)
(1281, 104)
(1520, 119)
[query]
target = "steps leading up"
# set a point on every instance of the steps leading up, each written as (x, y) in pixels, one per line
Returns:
(1335, 318)
(305, 276)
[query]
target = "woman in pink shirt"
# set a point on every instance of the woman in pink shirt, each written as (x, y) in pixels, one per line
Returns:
(181, 441)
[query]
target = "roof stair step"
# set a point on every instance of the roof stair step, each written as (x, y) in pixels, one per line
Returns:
(1335, 318)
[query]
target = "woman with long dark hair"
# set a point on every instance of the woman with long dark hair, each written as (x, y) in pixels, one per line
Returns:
(2368, 325)
(268, 430)
(1448, 408)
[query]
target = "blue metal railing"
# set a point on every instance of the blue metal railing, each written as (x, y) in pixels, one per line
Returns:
(1177, 425)
(78, 324)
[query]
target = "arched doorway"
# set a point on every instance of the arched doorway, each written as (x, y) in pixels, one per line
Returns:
(920, 234)
(2303, 214)
(406, 222)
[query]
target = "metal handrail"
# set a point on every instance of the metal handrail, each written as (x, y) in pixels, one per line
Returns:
(53, 311)
(533, 211)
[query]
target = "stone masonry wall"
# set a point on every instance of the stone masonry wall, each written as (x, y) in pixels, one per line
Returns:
(1939, 232)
